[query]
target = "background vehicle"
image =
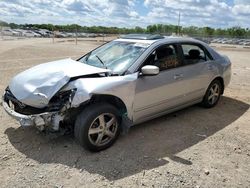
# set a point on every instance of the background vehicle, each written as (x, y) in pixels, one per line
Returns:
(122, 83)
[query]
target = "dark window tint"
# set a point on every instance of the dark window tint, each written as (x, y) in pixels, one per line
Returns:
(193, 54)
(166, 57)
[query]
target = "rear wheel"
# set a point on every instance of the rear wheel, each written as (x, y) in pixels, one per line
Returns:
(97, 127)
(213, 94)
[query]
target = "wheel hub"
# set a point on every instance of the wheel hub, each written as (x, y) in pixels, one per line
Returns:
(214, 93)
(103, 129)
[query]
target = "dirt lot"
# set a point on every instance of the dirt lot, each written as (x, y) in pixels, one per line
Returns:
(194, 147)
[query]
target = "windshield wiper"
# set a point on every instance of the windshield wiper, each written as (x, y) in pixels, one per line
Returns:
(101, 61)
(87, 56)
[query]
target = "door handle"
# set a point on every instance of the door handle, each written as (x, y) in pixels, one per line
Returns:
(210, 67)
(178, 76)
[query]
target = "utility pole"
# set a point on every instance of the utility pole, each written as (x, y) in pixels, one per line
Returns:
(1, 30)
(53, 37)
(179, 20)
(76, 34)
(103, 36)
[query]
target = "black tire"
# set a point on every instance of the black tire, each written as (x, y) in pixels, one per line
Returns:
(88, 118)
(207, 101)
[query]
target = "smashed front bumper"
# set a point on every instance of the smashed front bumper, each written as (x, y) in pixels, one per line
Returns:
(41, 121)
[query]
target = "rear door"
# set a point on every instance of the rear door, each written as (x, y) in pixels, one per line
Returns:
(198, 69)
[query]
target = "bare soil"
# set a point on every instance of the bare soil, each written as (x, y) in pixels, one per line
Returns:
(194, 147)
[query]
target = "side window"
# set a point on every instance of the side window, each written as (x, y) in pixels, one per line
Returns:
(165, 57)
(193, 54)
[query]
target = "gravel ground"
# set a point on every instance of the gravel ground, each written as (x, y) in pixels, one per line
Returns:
(194, 147)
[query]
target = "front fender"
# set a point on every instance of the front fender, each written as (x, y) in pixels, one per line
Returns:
(122, 87)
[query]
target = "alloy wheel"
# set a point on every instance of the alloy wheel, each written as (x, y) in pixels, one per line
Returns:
(103, 129)
(214, 94)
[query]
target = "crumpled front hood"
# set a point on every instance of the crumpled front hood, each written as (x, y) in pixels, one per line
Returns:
(37, 85)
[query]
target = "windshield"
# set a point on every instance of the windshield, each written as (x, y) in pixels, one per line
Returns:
(117, 56)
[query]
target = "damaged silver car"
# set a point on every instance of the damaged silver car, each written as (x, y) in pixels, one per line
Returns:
(119, 84)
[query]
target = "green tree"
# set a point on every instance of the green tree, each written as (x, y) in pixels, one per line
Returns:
(138, 29)
(208, 31)
(236, 32)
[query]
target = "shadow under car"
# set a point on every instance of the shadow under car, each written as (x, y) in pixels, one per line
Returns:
(145, 146)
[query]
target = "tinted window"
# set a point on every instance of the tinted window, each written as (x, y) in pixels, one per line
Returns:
(165, 57)
(193, 54)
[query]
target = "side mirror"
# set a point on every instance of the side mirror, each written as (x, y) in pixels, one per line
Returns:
(150, 70)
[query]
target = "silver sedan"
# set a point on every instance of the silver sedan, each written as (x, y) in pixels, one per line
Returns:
(121, 83)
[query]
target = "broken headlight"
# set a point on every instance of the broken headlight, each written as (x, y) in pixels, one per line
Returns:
(62, 100)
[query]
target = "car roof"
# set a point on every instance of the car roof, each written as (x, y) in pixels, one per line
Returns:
(150, 39)
(142, 36)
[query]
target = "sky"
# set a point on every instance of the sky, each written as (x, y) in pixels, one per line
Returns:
(128, 13)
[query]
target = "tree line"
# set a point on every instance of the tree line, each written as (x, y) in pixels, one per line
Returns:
(236, 31)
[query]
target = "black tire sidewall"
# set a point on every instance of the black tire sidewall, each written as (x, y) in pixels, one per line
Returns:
(84, 120)
(205, 101)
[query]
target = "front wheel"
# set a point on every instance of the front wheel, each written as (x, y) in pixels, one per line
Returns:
(97, 127)
(213, 94)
